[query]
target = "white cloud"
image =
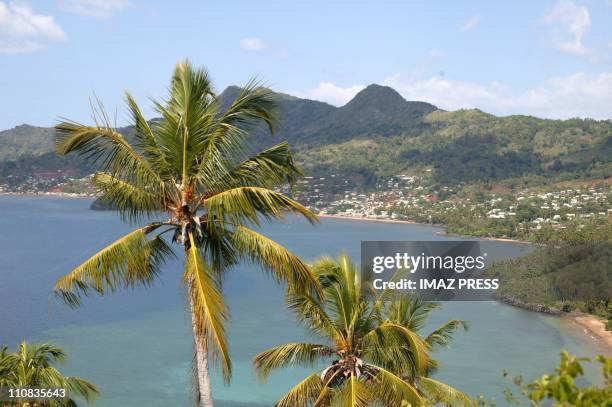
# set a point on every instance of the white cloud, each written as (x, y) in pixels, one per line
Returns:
(575, 21)
(252, 44)
(470, 24)
(577, 95)
(332, 94)
(93, 8)
(22, 31)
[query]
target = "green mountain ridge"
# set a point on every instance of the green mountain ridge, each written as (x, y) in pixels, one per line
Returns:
(378, 133)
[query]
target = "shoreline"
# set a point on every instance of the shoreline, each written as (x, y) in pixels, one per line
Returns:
(47, 194)
(590, 325)
(410, 222)
(595, 328)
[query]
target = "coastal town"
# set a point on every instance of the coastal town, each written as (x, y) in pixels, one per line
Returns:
(415, 198)
(497, 212)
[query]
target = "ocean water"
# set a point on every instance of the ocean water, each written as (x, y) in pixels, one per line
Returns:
(136, 345)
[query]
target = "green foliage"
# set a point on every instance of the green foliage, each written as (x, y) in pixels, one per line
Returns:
(561, 388)
(369, 350)
(35, 366)
(570, 269)
(194, 170)
(379, 134)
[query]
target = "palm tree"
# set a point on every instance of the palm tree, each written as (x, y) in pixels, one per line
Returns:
(192, 169)
(371, 350)
(32, 367)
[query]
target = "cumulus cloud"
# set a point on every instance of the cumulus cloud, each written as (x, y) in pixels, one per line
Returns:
(252, 44)
(22, 31)
(93, 8)
(470, 24)
(575, 21)
(332, 94)
(577, 95)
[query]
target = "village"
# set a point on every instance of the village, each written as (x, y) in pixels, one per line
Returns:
(415, 198)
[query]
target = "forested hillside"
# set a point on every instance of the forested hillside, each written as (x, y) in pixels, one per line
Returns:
(378, 134)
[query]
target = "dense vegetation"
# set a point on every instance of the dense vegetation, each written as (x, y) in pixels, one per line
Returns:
(562, 388)
(35, 366)
(378, 134)
(368, 349)
(571, 270)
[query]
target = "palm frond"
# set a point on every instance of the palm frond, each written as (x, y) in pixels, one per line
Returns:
(310, 311)
(444, 334)
(391, 390)
(81, 388)
(130, 260)
(441, 393)
(131, 201)
(246, 205)
(302, 394)
(400, 335)
(254, 104)
(272, 167)
(208, 306)
(290, 354)
(32, 366)
(353, 394)
(147, 140)
(284, 265)
(108, 147)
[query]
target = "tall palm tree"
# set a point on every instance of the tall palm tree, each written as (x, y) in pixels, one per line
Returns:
(32, 366)
(371, 352)
(192, 169)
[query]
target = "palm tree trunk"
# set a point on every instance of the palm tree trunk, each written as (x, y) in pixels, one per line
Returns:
(204, 395)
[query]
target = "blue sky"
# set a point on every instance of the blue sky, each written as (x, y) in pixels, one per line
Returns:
(546, 58)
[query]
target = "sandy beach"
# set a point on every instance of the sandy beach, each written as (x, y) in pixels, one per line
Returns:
(595, 328)
(408, 222)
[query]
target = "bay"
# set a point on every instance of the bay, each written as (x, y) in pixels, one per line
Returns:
(136, 345)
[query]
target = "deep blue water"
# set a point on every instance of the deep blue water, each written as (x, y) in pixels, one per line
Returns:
(136, 345)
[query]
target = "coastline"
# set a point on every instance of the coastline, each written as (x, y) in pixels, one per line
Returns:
(410, 222)
(47, 194)
(407, 222)
(594, 327)
(591, 325)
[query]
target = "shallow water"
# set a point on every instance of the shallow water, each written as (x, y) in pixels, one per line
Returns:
(136, 346)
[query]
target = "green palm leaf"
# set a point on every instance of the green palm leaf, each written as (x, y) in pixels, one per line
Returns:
(303, 354)
(32, 367)
(353, 394)
(132, 202)
(402, 335)
(271, 167)
(302, 394)
(393, 391)
(438, 392)
(247, 204)
(107, 147)
(284, 265)
(130, 260)
(444, 334)
(208, 306)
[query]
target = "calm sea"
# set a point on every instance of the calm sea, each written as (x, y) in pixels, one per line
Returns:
(136, 346)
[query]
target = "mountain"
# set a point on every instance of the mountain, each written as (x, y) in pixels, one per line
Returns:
(25, 140)
(379, 133)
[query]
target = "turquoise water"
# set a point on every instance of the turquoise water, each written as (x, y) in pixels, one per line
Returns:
(136, 346)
